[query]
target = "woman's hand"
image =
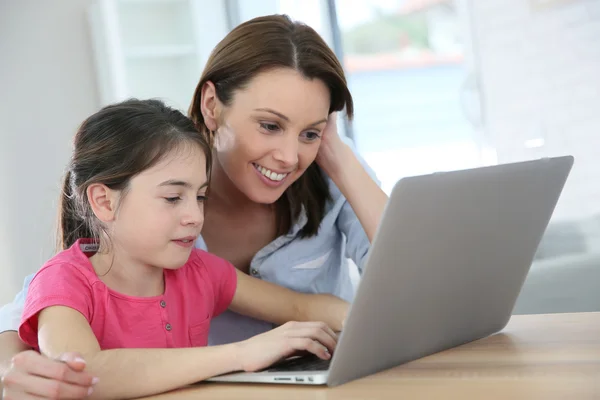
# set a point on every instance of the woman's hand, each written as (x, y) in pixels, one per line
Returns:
(340, 164)
(34, 376)
(264, 350)
(333, 149)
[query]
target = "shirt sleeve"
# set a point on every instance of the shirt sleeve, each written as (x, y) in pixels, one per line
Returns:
(54, 285)
(10, 314)
(357, 241)
(224, 281)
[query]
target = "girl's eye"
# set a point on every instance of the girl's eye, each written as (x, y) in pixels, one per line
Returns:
(201, 198)
(172, 200)
(269, 127)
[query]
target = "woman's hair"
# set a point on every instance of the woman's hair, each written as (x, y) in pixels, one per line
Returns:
(266, 43)
(111, 147)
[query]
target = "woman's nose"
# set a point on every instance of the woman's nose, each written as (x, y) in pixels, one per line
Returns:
(287, 151)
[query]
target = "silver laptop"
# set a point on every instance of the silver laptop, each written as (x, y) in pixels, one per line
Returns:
(445, 268)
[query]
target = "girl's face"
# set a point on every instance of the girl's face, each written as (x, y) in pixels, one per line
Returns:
(161, 215)
(271, 132)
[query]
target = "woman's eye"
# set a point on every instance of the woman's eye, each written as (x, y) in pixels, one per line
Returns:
(172, 200)
(201, 198)
(269, 127)
(311, 135)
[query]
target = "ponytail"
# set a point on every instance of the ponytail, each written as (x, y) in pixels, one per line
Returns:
(71, 226)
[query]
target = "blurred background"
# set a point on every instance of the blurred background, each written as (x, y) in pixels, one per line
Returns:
(438, 85)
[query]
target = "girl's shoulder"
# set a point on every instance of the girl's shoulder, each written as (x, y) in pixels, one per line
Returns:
(203, 265)
(205, 270)
(72, 262)
(202, 258)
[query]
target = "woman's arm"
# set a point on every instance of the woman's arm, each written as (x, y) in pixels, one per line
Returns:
(25, 373)
(342, 165)
(364, 195)
(127, 373)
(270, 302)
(10, 346)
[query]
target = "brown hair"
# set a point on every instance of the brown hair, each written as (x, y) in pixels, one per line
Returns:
(269, 42)
(111, 147)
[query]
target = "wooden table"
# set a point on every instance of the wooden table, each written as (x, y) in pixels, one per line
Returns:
(553, 356)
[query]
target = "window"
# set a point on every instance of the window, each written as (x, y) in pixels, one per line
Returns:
(452, 84)
(404, 61)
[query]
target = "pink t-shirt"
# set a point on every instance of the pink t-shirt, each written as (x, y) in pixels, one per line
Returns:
(195, 293)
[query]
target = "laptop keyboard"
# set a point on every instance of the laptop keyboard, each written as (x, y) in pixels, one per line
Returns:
(307, 363)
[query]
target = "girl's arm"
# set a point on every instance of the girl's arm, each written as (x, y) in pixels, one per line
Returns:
(127, 373)
(270, 302)
(342, 165)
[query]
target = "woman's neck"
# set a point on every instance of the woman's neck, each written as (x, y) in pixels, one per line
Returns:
(127, 276)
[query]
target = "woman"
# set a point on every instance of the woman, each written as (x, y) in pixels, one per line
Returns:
(289, 200)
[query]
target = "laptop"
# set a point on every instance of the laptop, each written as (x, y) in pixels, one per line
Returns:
(445, 268)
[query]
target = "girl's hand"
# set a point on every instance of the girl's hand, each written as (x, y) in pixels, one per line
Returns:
(34, 376)
(264, 350)
(332, 149)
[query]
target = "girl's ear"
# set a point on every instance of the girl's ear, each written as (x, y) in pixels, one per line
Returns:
(210, 106)
(103, 201)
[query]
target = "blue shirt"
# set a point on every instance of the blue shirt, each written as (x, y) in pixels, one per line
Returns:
(318, 264)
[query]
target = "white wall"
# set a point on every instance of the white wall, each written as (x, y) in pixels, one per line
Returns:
(541, 80)
(47, 87)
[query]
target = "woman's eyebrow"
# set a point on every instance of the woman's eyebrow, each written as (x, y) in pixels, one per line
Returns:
(283, 117)
(280, 115)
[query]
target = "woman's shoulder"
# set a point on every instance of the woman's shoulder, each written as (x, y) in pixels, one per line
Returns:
(200, 243)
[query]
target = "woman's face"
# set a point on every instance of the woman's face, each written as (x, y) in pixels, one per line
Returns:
(271, 132)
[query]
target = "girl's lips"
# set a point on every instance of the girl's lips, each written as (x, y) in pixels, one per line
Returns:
(187, 241)
(184, 243)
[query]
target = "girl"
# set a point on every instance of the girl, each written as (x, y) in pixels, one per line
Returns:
(129, 291)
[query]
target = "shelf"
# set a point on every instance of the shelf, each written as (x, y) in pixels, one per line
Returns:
(169, 78)
(154, 23)
(147, 49)
(160, 51)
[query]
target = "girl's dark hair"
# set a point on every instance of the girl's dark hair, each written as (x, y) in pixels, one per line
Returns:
(111, 147)
(270, 42)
